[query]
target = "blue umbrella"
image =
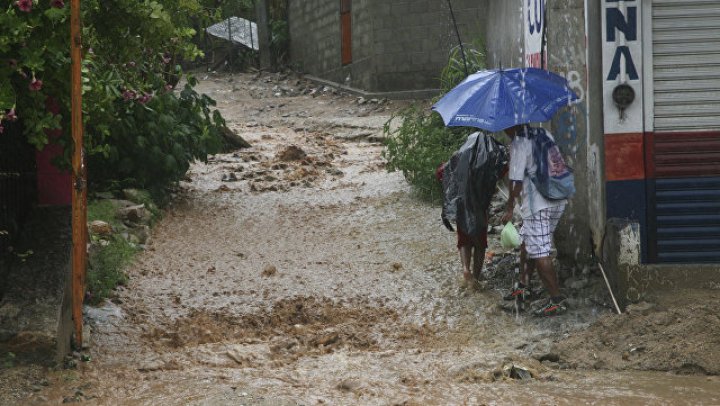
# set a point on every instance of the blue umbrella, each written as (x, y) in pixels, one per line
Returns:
(497, 99)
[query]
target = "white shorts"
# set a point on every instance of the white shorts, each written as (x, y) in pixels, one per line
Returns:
(537, 231)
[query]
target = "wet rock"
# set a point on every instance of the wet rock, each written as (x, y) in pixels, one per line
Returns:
(643, 308)
(269, 270)
(518, 372)
(134, 214)
(141, 233)
(232, 139)
(135, 195)
(99, 227)
(548, 356)
(291, 153)
(231, 177)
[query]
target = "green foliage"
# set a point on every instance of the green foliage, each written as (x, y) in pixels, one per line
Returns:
(154, 143)
(8, 360)
(129, 73)
(420, 142)
(279, 31)
(418, 146)
(106, 268)
(454, 71)
(103, 210)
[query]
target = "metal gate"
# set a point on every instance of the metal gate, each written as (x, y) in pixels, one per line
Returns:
(684, 147)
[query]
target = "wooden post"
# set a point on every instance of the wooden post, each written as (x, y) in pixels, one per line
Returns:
(79, 192)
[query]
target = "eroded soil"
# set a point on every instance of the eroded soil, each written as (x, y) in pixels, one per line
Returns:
(299, 271)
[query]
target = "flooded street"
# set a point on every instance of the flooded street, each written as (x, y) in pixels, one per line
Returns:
(300, 272)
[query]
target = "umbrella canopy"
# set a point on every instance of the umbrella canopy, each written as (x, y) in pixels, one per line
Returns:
(494, 100)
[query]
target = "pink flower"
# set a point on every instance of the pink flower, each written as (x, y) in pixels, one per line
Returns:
(169, 87)
(128, 94)
(35, 85)
(166, 58)
(11, 115)
(57, 3)
(24, 5)
(146, 97)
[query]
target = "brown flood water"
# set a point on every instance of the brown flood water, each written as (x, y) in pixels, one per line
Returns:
(322, 281)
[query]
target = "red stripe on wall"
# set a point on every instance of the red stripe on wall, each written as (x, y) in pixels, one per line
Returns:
(686, 154)
(624, 157)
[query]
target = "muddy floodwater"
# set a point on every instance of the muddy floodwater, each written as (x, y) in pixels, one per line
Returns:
(300, 272)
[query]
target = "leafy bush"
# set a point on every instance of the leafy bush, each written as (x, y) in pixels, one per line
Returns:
(106, 268)
(154, 144)
(421, 141)
(137, 130)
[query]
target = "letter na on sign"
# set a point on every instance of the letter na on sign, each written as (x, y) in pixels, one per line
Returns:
(626, 24)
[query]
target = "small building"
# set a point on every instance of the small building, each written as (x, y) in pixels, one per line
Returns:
(379, 46)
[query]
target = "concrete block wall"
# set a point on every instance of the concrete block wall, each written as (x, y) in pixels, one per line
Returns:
(314, 27)
(413, 39)
(400, 45)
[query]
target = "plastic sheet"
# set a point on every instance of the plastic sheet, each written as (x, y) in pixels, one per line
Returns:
(469, 181)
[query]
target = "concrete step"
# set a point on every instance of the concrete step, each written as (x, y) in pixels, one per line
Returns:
(35, 310)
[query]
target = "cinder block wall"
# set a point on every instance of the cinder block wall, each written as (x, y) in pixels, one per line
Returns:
(399, 45)
(315, 37)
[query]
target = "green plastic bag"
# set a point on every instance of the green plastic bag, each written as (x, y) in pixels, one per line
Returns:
(509, 237)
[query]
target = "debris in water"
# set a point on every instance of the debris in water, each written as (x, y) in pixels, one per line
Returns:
(269, 270)
(291, 153)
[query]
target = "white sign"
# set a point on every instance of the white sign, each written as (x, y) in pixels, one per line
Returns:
(622, 64)
(534, 24)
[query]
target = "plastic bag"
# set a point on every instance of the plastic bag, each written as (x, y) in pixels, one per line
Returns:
(509, 237)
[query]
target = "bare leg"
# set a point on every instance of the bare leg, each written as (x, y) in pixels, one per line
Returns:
(465, 258)
(548, 276)
(526, 266)
(478, 261)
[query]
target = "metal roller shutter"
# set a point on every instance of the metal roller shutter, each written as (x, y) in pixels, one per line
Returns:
(686, 59)
(684, 183)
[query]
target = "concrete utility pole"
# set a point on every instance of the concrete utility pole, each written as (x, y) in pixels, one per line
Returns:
(263, 27)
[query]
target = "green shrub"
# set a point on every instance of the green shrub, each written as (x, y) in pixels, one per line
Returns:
(421, 141)
(106, 269)
(152, 145)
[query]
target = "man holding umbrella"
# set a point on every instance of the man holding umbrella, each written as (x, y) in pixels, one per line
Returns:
(510, 99)
(540, 218)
